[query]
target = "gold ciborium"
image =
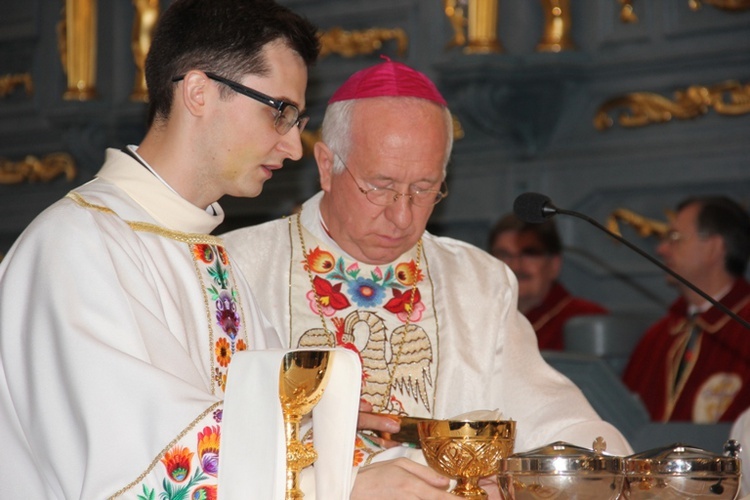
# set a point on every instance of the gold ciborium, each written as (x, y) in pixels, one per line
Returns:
(302, 379)
(467, 450)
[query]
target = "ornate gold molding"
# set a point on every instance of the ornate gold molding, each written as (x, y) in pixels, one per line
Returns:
(474, 24)
(32, 169)
(76, 39)
(627, 14)
(731, 5)
(643, 225)
(144, 21)
(644, 108)
(10, 82)
(455, 10)
(557, 24)
(354, 43)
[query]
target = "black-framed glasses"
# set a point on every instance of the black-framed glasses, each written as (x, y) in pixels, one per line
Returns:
(388, 196)
(287, 114)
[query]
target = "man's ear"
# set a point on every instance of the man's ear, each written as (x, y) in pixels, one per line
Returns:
(324, 158)
(193, 92)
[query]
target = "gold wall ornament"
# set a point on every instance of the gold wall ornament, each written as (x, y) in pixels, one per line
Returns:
(482, 27)
(455, 10)
(556, 34)
(353, 43)
(644, 108)
(144, 21)
(643, 225)
(32, 169)
(9, 82)
(627, 13)
(77, 44)
(731, 5)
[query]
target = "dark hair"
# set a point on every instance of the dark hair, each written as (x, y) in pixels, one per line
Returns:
(222, 36)
(546, 232)
(725, 217)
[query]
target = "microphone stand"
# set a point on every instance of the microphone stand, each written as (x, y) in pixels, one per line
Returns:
(550, 209)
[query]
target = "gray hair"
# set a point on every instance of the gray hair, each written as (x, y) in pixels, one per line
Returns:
(337, 128)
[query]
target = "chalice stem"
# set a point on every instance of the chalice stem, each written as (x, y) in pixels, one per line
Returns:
(298, 456)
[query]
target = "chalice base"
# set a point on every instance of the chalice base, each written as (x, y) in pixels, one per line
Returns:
(468, 488)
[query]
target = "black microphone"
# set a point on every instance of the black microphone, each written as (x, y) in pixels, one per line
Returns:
(536, 208)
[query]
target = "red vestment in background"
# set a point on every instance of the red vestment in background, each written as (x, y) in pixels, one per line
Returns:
(714, 382)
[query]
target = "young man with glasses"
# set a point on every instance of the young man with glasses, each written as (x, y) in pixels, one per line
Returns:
(120, 312)
(694, 363)
(534, 254)
(433, 319)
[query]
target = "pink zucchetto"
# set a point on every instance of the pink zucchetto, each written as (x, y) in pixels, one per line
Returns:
(388, 79)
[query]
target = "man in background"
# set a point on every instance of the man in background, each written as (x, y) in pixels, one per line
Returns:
(534, 254)
(694, 363)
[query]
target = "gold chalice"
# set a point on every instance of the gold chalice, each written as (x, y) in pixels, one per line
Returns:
(302, 379)
(467, 450)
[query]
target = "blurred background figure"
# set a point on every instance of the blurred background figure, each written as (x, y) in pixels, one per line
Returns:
(694, 363)
(534, 253)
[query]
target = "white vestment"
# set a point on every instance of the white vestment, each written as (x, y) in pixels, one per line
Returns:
(465, 348)
(119, 315)
(741, 432)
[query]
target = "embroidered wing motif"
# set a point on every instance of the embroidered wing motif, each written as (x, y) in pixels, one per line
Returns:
(410, 365)
(316, 337)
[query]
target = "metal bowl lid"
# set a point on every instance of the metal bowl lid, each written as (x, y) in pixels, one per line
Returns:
(561, 457)
(678, 459)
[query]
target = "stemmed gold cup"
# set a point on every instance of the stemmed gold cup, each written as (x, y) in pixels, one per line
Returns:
(467, 450)
(302, 380)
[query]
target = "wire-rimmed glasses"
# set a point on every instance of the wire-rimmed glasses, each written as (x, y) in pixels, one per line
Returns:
(387, 196)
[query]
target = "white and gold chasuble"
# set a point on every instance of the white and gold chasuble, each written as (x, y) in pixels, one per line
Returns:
(365, 309)
(467, 348)
(120, 317)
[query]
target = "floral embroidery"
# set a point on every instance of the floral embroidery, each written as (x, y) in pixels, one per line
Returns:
(223, 255)
(318, 261)
(401, 303)
(177, 462)
(223, 304)
(226, 314)
(407, 273)
(330, 296)
(375, 311)
(364, 291)
(223, 352)
(203, 252)
(208, 450)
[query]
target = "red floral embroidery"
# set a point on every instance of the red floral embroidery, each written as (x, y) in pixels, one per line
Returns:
(177, 462)
(319, 261)
(330, 295)
(408, 274)
(223, 255)
(401, 300)
(203, 252)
